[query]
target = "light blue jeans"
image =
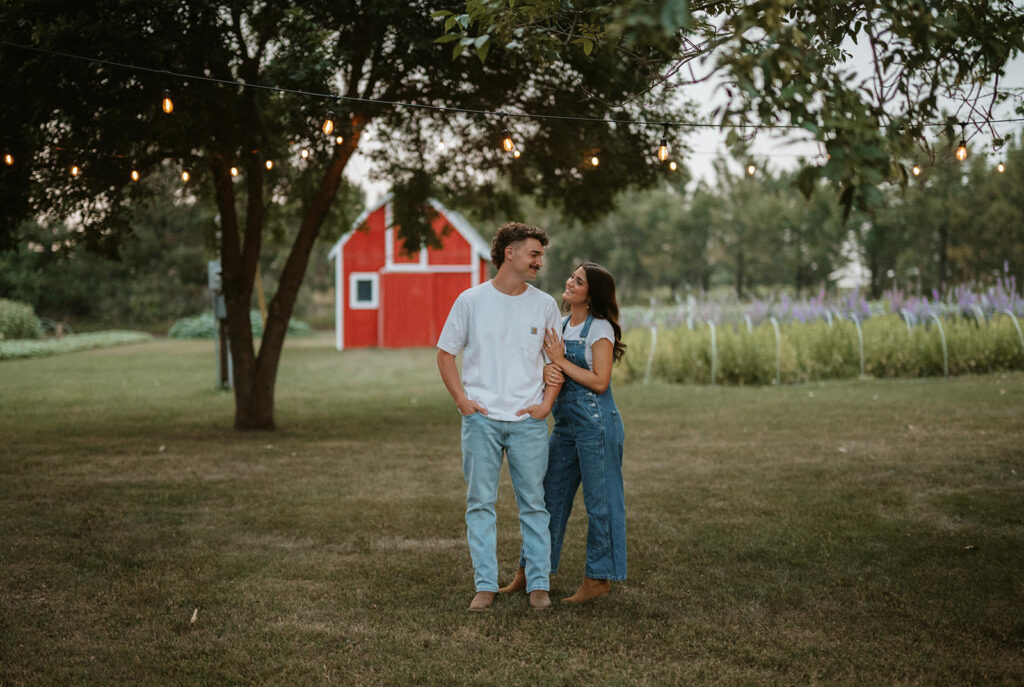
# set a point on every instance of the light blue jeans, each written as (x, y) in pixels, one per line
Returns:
(526, 442)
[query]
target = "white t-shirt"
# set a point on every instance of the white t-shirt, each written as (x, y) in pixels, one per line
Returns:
(599, 329)
(501, 338)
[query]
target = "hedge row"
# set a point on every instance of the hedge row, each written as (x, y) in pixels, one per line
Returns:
(203, 326)
(28, 348)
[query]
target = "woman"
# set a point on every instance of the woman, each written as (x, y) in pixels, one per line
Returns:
(586, 443)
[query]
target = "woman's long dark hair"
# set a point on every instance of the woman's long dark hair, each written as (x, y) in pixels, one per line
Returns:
(601, 293)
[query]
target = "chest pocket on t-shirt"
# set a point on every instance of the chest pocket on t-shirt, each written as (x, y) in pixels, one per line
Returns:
(530, 340)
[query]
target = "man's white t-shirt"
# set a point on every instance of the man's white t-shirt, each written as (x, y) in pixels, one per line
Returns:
(501, 338)
(599, 329)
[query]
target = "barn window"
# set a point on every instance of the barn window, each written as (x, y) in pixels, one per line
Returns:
(362, 290)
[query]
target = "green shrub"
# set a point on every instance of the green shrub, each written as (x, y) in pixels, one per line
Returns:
(205, 327)
(17, 320)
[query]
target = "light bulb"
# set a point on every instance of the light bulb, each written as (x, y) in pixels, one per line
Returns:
(328, 126)
(185, 176)
(339, 140)
(916, 169)
(506, 141)
(167, 104)
(75, 170)
(304, 154)
(516, 153)
(1000, 168)
(234, 171)
(594, 160)
(961, 150)
(269, 164)
(751, 170)
(663, 150)
(673, 166)
(135, 175)
(8, 159)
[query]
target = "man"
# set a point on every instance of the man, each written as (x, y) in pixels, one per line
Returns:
(499, 326)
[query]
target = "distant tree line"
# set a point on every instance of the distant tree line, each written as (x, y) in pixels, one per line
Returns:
(954, 223)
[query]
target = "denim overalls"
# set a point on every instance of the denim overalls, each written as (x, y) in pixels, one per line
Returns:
(586, 445)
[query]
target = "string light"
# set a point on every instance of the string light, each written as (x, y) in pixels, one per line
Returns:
(961, 150)
(663, 146)
(508, 144)
(916, 170)
(304, 154)
(185, 176)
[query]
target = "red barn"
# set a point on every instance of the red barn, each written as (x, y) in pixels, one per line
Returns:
(385, 297)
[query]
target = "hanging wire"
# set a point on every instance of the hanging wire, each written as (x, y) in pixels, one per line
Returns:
(436, 108)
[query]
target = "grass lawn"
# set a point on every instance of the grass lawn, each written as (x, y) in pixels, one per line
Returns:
(862, 532)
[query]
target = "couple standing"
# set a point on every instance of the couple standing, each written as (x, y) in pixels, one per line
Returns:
(505, 327)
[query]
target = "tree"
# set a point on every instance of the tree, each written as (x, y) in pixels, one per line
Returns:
(795, 63)
(954, 223)
(161, 274)
(216, 58)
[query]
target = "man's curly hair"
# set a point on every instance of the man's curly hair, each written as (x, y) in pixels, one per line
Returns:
(513, 232)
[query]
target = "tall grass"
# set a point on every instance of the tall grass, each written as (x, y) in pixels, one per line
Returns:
(820, 350)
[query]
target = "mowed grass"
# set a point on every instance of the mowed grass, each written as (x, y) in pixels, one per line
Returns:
(859, 532)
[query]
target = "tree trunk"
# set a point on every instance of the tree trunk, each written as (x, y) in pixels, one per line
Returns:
(740, 274)
(943, 250)
(255, 375)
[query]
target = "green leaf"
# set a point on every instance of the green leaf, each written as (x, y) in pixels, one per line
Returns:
(675, 15)
(440, 13)
(588, 47)
(483, 44)
(806, 178)
(447, 38)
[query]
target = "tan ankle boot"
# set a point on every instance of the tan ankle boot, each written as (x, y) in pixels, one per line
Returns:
(481, 601)
(590, 589)
(516, 585)
(539, 600)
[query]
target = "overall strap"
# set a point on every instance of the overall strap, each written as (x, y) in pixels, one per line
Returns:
(565, 323)
(586, 327)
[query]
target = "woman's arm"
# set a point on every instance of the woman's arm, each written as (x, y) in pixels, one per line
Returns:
(598, 379)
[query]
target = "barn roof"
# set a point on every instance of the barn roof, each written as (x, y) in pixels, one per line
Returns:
(461, 224)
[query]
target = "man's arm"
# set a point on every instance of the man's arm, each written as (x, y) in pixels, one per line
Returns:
(450, 377)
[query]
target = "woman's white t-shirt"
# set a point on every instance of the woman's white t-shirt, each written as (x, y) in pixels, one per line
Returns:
(599, 329)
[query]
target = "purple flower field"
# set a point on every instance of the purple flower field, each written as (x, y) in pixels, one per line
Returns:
(963, 301)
